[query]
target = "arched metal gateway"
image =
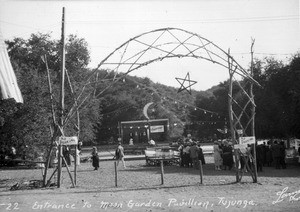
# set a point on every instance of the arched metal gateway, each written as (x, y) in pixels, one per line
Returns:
(161, 44)
(158, 45)
(165, 43)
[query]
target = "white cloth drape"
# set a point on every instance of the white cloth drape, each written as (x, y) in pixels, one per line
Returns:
(8, 82)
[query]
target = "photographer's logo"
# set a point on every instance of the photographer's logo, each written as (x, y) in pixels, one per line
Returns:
(284, 194)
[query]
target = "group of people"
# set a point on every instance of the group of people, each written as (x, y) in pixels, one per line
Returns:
(7, 153)
(223, 155)
(271, 154)
(190, 154)
(67, 154)
(119, 156)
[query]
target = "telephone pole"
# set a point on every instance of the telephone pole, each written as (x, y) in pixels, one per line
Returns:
(62, 97)
(253, 115)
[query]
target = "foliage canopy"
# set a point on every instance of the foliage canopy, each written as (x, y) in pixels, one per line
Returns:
(277, 111)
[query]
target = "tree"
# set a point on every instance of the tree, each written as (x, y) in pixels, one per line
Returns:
(31, 74)
(22, 128)
(294, 95)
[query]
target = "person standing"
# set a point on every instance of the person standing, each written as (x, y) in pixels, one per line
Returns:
(269, 157)
(194, 155)
(131, 142)
(53, 157)
(217, 156)
(78, 153)
(151, 142)
(95, 158)
(227, 156)
(180, 149)
(264, 153)
(13, 153)
(282, 155)
(119, 155)
(259, 156)
(276, 152)
(66, 154)
(186, 155)
(200, 154)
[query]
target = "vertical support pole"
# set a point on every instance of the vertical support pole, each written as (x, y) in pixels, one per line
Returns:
(237, 161)
(251, 94)
(116, 174)
(59, 166)
(201, 172)
(62, 95)
(75, 165)
(230, 113)
(162, 171)
(52, 132)
(253, 116)
(122, 132)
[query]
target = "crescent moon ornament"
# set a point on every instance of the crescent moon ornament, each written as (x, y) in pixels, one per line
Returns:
(146, 109)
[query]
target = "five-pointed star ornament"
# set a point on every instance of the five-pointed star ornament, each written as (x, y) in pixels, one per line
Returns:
(182, 82)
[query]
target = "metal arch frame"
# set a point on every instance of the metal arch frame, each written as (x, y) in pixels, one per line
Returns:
(208, 51)
(220, 58)
(135, 61)
(202, 49)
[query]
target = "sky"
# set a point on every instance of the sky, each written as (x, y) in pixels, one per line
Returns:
(106, 24)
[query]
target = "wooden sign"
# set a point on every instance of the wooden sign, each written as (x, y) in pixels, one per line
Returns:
(68, 140)
(157, 129)
(247, 140)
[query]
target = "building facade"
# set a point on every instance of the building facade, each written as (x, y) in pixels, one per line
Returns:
(142, 131)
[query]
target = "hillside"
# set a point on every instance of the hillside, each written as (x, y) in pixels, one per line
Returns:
(127, 99)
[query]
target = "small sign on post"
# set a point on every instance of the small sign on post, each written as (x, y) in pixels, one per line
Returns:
(68, 140)
(247, 140)
(157, 129)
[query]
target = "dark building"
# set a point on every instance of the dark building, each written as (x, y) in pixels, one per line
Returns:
(143, 130)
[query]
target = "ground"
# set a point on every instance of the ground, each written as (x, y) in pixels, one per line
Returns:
(139, 189)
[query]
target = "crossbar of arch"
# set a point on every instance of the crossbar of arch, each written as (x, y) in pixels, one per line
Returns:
(165, 43)
(161, 44)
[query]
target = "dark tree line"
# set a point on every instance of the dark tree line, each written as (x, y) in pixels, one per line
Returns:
(277, 102)
(30, 124)
(277, 112)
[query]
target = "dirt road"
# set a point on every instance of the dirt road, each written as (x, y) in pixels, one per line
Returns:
(139, 189)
